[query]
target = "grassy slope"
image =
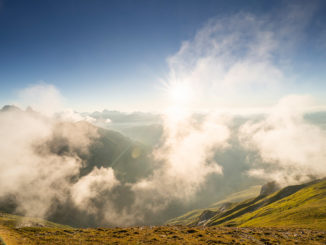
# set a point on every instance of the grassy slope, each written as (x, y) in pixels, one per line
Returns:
(305, 208)
(253, 191)
(193, 215)
(10, 224)
(15, 221)
(293, 206)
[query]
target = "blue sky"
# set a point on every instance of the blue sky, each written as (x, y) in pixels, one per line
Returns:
(113, 54)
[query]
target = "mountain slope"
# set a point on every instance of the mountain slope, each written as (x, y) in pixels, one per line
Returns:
(251, 205)
(192, 216)
(293, 206)
(11, 224)
(16, 221)
(304, 208)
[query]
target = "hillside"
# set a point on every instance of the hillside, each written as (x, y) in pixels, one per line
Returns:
(192, 216)
(305, 208)
(293, 206)
(9, 224)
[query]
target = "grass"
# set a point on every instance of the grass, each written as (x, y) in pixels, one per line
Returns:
(167, 235)
(293, 206)
(251, 192)
(305, 208)
(191, 217)
(16, 221)
(10, 224)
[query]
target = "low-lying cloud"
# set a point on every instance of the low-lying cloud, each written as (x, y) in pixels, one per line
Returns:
(31, 172)
(285, 141)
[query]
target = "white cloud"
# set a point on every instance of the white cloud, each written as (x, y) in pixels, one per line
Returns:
(293, 147)
(30, 172)
(90, 187)
(185, 159)
(72, 116)
(31, 169)
(226, 57)
(44, 98)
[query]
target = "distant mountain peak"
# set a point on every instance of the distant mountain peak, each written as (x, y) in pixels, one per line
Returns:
(10, 108)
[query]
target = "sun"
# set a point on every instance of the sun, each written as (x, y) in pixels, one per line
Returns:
(181, 99)
(180, 93)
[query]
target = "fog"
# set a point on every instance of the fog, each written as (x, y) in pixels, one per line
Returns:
(292, 148)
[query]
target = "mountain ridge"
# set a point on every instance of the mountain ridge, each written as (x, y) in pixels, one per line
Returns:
(274, 208)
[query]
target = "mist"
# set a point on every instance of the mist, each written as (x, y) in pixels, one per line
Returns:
(30, 171)
(291, 148)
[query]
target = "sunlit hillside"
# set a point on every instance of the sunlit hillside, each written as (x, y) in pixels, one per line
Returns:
(301, 206)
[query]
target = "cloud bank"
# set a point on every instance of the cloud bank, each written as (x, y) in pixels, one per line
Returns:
(30, 170)
(285, 141)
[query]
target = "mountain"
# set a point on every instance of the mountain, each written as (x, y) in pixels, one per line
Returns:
(149, 135)
(197, 214)
(9, 108)
(293, 206)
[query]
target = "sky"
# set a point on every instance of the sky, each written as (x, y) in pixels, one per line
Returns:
(133, 55)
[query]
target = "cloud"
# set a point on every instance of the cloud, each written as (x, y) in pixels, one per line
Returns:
(34, 178)
(39, 157)
(226, 57)
(89, 187)
(241, 60)
(47, 100)
(44, 98)
(292, 148)
(182, 163)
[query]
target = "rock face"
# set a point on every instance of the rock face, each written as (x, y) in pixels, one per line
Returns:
(269, 188)
(206, 215)
(225, 206)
